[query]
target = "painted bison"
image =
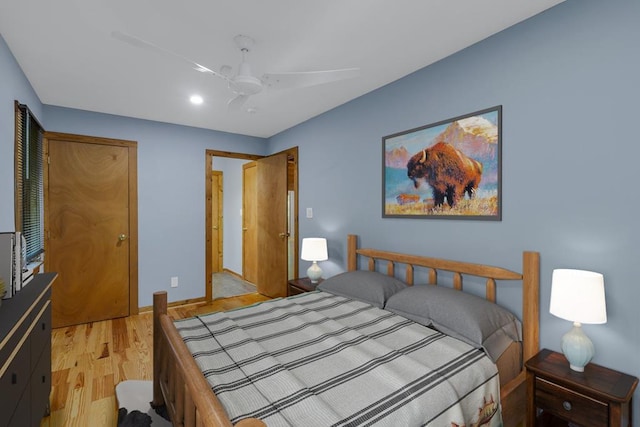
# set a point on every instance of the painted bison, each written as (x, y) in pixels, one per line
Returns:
(448, 171)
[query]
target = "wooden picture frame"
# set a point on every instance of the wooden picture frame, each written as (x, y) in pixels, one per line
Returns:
(450, 169)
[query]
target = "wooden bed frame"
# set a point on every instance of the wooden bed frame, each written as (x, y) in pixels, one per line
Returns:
(179, 384)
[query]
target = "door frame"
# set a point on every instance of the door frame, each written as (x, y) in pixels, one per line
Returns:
(249, 223)
(292, 153)
(133, 200)
(220, 216)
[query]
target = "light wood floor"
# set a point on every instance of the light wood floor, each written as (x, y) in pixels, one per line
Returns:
(89, 360)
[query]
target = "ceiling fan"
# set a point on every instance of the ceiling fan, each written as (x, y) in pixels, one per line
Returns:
(243, 83)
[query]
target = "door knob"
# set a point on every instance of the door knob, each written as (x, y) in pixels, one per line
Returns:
(122, 237)
(215, 227)
(283, 235)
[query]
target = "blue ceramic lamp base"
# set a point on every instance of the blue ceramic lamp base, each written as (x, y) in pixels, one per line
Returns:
(577, 348)
(314, 272)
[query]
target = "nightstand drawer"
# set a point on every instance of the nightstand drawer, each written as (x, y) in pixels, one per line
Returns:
(293, 290)
(300, 286)
(570, 405)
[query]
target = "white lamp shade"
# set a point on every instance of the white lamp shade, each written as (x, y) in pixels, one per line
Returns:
(578, 296)
(314, 249)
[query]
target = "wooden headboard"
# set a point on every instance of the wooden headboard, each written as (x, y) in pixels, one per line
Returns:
(530, 278)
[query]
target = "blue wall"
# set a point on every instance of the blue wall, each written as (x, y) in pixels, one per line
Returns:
(13, 86)
(568, 83)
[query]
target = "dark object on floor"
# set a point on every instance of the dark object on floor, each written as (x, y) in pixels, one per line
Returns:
(133, 397)
(134, 418)
(161, 410)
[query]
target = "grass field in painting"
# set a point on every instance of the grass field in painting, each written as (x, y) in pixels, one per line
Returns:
(475, 207)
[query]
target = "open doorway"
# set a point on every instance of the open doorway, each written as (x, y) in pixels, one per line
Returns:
(228, 255)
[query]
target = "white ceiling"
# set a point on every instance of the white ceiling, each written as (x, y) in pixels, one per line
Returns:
(66, 50)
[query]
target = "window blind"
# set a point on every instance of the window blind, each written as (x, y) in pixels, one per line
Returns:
(29, 180)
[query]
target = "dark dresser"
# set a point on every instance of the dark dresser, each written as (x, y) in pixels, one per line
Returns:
(25, 353)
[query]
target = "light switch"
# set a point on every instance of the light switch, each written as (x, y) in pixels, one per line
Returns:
(309, 212)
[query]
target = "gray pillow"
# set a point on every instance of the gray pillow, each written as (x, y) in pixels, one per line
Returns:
(363, 285)
(469, 318)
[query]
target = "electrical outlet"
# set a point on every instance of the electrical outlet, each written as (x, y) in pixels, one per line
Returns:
(174, 282)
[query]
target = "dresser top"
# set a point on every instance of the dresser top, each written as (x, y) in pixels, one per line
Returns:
(12, 309)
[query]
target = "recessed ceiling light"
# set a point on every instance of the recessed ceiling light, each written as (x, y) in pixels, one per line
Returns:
(196, 99)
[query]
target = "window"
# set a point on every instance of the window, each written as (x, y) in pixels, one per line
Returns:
(28, 181)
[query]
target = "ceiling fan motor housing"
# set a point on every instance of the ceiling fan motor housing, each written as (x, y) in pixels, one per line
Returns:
(245, 83)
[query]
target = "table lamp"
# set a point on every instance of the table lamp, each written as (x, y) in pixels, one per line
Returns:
(314, 249)
(578, 296)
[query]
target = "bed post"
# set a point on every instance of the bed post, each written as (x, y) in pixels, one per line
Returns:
(514, 393)
(352, 246)
(531, 303)
(159, 309)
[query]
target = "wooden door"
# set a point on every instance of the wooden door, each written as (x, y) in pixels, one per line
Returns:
(216, 221)
(271, 186)
(249, 223)
(90, 188)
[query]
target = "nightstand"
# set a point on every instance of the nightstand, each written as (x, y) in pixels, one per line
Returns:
(302, 285)
(594, 398)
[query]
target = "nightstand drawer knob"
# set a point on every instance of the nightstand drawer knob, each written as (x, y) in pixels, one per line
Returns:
(566, 405)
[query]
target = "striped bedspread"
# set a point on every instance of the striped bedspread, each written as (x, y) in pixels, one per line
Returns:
(321, 360)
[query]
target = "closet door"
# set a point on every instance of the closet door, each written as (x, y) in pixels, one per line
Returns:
(88, 234)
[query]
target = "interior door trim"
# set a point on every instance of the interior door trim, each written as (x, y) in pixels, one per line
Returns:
(218, 216)
(208, 171)
(209, 155)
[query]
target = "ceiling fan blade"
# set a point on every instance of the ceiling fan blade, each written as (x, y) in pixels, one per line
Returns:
(143, 44)
(235, 104)
(309, 78)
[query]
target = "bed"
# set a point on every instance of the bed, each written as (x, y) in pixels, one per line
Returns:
(190, 400)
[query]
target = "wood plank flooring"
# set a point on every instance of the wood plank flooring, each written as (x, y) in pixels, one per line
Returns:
(89, 360)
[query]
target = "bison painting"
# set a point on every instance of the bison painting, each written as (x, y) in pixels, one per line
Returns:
(448, 171)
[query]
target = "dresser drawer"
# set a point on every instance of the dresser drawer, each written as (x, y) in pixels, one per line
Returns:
(13, 339)
(40, 389)
(570, 405)
(21, 416)
(41, 334)
(293, 290)
(13, 383)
